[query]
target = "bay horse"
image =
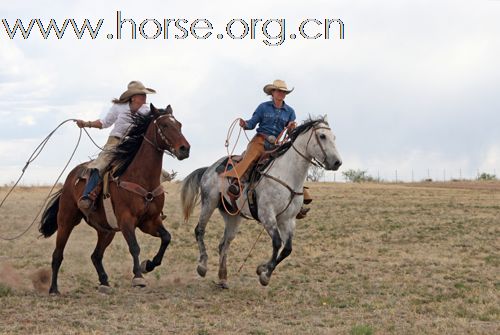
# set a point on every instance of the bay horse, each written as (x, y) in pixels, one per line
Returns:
(279, 195)
(138, 158)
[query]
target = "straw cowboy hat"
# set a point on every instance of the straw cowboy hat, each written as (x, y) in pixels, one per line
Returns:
(133, 88)
(277, 85)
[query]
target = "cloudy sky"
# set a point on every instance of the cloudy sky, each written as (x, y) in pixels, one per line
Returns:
(411, 88)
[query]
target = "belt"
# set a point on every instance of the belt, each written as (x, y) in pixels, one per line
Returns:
(261, 135)
(269, 138)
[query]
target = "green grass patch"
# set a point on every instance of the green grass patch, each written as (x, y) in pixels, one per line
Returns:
(361, 330)
(5, 290)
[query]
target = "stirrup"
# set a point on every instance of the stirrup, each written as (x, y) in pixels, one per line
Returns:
(233, 190)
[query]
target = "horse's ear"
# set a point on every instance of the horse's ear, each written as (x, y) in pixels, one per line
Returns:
(169, 110)
(153, 108)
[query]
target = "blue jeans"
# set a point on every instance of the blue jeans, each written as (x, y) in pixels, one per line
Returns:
(91, 183)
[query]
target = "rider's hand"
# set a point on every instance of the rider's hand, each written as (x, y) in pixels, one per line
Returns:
(291, 126)
(81, 123)
(243, 124)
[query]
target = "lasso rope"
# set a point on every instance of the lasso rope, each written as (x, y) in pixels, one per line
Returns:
(230, 162)
(33, 156)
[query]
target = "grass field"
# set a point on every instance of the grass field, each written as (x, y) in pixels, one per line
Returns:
(368, 259)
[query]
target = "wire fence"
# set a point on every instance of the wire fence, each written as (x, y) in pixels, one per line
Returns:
(405, 175)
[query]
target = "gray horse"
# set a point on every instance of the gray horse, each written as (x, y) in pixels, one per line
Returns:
(278, 195)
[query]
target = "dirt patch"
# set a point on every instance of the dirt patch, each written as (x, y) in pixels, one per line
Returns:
(41, 280)
(10, 277)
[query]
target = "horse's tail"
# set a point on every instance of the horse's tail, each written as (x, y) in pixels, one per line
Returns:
(48, 224)
(190, 191)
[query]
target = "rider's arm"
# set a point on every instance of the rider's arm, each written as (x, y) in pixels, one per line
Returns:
(256, 118)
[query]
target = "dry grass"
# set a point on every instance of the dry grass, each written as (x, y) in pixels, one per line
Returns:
(369, 259)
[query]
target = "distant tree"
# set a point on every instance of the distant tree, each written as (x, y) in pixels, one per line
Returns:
(357, 176)
(486, 176)
(315, 173)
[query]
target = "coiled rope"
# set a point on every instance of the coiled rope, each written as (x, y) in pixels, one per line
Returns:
(33, 156)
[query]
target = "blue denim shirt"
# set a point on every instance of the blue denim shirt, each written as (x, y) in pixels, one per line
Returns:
(271, 120)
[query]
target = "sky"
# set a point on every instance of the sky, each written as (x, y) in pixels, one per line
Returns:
(410, 91)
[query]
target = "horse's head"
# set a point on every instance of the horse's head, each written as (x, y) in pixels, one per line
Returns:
(168, 133)
(319, 143)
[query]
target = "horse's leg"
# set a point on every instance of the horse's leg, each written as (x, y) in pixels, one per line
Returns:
(265, 270)
(68, 217)
(104, 238)
(286, 229)
(207, 208)
(128, 231)
(284, 232)
(158, 230)
(230, 231)
(286, 251)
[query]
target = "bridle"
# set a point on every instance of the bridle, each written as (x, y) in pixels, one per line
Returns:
(314, 161)
(159, 131)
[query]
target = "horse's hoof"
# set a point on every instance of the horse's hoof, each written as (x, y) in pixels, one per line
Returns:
(202, 270)
(264, 279)
(144, 265)
(222, 285)
(105, 289)
(55, 293)
(139, 282)
(261, 268)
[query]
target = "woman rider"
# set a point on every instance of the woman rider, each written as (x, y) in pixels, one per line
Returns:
(272, 117)
(133, 100)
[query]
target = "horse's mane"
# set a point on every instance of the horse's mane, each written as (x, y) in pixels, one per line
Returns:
(125, 152)
(304, 127)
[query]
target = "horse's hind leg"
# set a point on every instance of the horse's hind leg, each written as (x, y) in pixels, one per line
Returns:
(207, 208)
(157, 230)
(104, 238)
(230, 231)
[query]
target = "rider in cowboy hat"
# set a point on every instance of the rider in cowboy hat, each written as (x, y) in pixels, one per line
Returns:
(133, 100)
(272, 117)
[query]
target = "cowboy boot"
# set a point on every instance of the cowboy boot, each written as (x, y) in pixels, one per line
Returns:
(307, 196)
(85, 202)
(302, 213)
